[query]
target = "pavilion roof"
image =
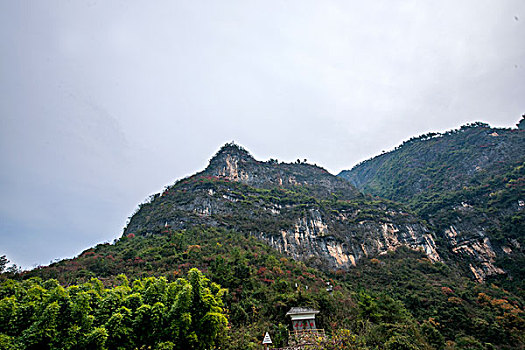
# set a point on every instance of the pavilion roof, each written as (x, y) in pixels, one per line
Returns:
(301, 310)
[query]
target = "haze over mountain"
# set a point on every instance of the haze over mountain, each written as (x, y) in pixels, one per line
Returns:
(417, 243)
(106, 102)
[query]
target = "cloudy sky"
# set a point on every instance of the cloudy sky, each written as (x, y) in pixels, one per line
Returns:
(105, 102)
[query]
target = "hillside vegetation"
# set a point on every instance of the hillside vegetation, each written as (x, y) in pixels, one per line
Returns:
(469, 184)
(401, 298)
(217, 259)
(150, 312)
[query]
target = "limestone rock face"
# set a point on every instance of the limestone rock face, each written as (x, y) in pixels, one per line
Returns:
(299, 209)
(234, 163)
(313, 239)
(476, 249)
(469, 184)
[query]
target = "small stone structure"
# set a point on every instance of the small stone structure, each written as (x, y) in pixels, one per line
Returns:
(302, 318)
(304, 330)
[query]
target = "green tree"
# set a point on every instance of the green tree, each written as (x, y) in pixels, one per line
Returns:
(3, 263)
(185, 314)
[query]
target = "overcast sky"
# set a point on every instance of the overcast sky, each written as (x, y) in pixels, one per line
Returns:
(105, 102)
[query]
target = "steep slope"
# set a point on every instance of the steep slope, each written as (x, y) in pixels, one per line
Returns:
(467, 183)
(299, 209)
(221, 220)
(234, 163)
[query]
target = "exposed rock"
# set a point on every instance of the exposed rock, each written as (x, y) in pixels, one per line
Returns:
(478, 250)
(467, 183)
(312, 237)
(234, 163)
(299, 209)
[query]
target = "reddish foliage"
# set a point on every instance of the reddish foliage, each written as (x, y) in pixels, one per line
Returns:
(447, 290)
(194, 248)
(309, 275)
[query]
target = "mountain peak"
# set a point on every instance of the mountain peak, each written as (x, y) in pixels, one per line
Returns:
(234, 163)
(233, 150)
(231, 161)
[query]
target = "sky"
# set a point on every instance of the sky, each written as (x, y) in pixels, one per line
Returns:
(104, 103)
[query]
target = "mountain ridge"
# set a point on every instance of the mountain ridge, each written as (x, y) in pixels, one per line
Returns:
(297, 208)
(468, 183)
(278, 235)
(235, 163)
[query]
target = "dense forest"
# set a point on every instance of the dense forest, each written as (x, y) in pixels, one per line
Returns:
(149, 312)
(400, 300)
(468, 183)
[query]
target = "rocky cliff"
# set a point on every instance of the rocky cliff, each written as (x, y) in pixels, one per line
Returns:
(467, 183)
(232, 162)
(299, 209)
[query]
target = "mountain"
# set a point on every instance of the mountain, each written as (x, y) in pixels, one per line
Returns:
(234, 163)
(468, 184)
(268, 236)
(299, 209)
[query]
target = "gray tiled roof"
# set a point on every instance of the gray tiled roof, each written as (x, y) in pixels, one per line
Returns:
(301, 310)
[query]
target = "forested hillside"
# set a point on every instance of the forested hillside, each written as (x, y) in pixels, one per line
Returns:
(438, 162)
(41, 314)
(469, 184)
(402, 298)
(217, 259)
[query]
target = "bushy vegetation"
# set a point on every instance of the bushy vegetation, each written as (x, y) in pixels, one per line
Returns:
(472, 179)
(262, 284)
(437, 295)
(148, 313)
(400, 299)
(438, 163)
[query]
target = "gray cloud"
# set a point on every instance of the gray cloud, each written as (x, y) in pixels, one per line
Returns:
(104, 103)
